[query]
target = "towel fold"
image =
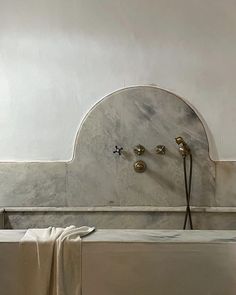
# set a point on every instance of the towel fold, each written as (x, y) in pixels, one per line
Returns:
(51, 261)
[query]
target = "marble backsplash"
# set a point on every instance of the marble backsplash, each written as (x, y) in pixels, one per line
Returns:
(97, 177)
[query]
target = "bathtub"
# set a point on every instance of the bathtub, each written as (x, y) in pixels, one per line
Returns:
(150, 262)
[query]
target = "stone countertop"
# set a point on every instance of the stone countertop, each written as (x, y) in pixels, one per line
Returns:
(7, 236)
(162, 236)
(142, 236)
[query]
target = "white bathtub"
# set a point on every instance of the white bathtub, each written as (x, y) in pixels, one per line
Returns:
(138, 262)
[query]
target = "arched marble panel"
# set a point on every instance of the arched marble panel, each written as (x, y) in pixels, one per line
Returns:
(139, 115)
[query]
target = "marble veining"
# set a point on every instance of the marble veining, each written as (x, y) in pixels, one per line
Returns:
(33, 184)
(147, 116)
(96, 178)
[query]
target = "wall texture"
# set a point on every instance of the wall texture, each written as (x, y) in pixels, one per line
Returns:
(58, 57)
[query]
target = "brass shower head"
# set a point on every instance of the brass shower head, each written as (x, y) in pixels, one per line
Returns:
(184, 149)
(179, 140)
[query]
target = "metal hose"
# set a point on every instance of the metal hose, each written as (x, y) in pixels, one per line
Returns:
(188, 186)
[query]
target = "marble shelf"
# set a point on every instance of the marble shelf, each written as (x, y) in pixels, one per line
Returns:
(142, 236)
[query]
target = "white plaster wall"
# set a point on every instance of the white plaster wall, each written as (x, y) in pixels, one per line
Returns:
(59, 57)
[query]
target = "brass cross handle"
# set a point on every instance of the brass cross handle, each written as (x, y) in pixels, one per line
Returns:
(139, 150)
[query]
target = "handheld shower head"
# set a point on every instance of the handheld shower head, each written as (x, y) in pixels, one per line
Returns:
(179, 140)
(184, 149)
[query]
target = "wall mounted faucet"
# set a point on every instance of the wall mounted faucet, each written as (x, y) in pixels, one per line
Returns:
(139, 165)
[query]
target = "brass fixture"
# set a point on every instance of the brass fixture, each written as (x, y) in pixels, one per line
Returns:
(139, 150)
(140, 166)
(185, 152)
(160, 150)
(184, 149)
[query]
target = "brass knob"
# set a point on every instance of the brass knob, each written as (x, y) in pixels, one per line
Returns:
(140, 166)
(160, 149)
(139, 150)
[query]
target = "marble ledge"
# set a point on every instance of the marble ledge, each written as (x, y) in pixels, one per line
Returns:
(118, 209)
(162, 236)
(142, 236)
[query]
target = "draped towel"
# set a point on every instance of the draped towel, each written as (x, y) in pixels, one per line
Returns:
(50, 261)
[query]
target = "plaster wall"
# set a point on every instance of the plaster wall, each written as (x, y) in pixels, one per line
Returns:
(58, 58)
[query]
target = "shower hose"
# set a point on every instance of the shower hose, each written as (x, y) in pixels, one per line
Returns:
(188, 185)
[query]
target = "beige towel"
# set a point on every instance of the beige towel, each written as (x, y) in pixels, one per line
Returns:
(51, 261)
